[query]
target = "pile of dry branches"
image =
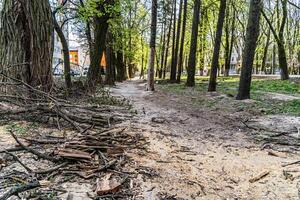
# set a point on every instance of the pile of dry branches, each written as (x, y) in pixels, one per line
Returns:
(89, 155)
(47, 107)
(95, 150)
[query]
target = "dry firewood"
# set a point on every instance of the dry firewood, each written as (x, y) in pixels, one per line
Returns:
(80, 174)
(65, 117)
(35, 152)
(43, 141)
(19, 189)
(19, 161)
(50, 170)
(12, 149)
(88, 147)
(292, 163)
(260, 176)
(72, 154)
(112, 131)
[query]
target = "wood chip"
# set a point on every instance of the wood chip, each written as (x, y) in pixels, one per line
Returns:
(107, 185)
(272, 153)
(259, 177)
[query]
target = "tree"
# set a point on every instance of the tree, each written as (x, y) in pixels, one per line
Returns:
(26, 43)
(180, 59)
(167, 46)
(101, 12)
(110, 60)
(229, 41)
(193, 47)
(173, 67)
(65, 46)
(150, 81)
(215, 61)
(279, 38)
(249, 50)
(177, 43)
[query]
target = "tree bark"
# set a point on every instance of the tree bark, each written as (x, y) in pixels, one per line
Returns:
(167, 47)
(265, 54)
(175, 59)
(249, 50)
(230, 46)
(163, 49)
(173, 68)
(150, 81)
(193, 48)
(280, 40)
(66, 53)
(120, 67)
(203, 40)
(180, 59)
(26, 43)
(215, 61)
(101, 27)
(110, 65)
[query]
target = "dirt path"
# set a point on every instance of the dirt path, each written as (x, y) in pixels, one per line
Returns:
(202, 154)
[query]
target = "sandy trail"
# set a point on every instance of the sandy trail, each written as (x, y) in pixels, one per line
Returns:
(202, 154)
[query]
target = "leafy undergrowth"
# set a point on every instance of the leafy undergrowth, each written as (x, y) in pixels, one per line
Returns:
(262, 91)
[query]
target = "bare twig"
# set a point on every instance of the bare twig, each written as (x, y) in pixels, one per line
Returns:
(47, 171)
(19, 189)
(38, 154)
(19, 161)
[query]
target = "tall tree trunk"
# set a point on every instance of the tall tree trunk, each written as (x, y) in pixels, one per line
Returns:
(180, 59)
(167, 47)
(265, 54)
(228, 57)
(173, 68)
(273, 60)
(249, 50)
(175, 59)
(120, 67)
(203, 33)
(227, 42)
(142, 68)
(215, 61)
(193, 48)
(26, 43)
(150, 81)
(163, 49)
(101, 27)
(159, 54)
(282, 58)
(66, 53)
(110, 68)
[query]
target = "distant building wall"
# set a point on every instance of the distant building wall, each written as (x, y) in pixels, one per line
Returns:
(74, 57)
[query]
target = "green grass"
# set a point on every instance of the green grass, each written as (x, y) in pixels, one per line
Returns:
(285, 87)
(21, 129)
(229, 86)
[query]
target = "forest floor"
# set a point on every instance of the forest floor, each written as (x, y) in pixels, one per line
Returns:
(199, 145)
(221, 151)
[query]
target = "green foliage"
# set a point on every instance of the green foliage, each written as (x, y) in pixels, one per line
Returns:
(98, 8)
